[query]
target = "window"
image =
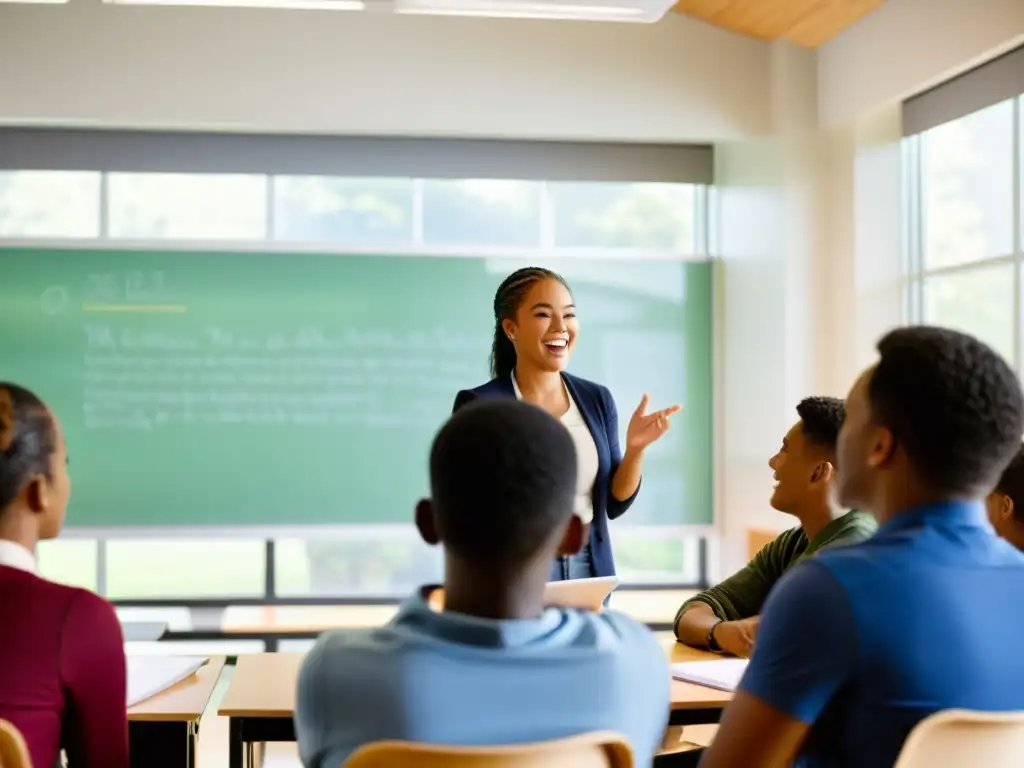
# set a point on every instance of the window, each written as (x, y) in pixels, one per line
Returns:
(646, 216)
(321, 209)
(166, 568)
(979, 302)
(49, 204)
(186, 206)
(564, 224)
(967, 178)
(964, 257)
(490, 212)
(69, 561)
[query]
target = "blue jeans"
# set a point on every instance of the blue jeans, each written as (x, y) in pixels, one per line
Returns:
(578, 566)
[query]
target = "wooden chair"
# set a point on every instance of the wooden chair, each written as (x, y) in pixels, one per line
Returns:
(13, 751)
(600, 749)
(954, 738)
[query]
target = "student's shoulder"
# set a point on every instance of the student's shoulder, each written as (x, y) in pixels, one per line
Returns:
(341, 652)
(75, 603)
(631, 638)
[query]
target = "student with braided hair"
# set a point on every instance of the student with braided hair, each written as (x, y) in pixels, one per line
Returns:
(535, 330)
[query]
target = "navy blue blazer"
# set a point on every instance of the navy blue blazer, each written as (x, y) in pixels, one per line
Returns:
(598, 410)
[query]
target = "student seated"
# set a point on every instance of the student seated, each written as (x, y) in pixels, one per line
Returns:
(495, 666)
(858, 644)
(725, 617)
(1006, 503)
(62, 663)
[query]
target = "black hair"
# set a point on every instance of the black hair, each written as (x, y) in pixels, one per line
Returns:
(1012, 483)
(952, 402)
(28, 440)
(507, 298)
(820, 419)
(502, 481)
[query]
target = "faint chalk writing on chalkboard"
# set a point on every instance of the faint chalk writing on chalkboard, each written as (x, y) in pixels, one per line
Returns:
(145, 380)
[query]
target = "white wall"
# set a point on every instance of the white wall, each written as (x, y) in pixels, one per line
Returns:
(907, 46)
(377, 74)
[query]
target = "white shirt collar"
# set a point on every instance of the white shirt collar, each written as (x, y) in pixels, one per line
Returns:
(515, 385)
(519, 392)
(14, 555)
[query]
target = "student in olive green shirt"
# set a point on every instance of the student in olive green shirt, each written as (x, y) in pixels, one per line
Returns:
(725, 617)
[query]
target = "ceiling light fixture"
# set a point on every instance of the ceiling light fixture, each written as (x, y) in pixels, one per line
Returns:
(579, 10)
(287, 5)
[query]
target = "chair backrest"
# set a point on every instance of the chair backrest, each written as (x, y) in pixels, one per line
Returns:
(954, 738)
(600, 749)
(13, 750)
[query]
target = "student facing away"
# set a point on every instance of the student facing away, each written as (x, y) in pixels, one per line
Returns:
(858, 644)
(725, 617)
(1006, 503)
(495, 666)
(62, 663)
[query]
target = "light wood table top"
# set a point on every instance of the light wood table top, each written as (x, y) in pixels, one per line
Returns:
(264, 684)
(652, 606)
(303, 619)
(183, 702)
(690, 695)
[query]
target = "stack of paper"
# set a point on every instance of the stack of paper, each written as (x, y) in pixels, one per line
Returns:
(150, 675)
(723, 674)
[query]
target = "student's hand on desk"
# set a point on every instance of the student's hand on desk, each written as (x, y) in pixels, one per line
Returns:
(737, 637)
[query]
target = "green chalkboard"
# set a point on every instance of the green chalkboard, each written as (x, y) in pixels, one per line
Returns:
(270, 389)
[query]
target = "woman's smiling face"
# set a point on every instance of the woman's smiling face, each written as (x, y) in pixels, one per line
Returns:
(545, 328)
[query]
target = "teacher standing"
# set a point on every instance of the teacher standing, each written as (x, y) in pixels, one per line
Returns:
(535, 330)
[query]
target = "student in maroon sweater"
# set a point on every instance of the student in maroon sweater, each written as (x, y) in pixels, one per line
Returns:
(62, 663)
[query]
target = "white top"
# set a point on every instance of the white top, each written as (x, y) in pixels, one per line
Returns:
(14, 555)
(586, 455)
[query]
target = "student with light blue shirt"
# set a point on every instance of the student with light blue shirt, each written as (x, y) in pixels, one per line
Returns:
(857, 645)
(496, 666)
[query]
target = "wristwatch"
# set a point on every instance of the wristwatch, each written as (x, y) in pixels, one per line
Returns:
(710, 641)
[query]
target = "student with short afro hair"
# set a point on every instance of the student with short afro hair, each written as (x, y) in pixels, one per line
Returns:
(495, 666)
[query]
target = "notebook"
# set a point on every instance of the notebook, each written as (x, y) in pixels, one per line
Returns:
(150, 675)
(723, 674)
(588, 594)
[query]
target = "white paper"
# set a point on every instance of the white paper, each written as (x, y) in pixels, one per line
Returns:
(723, 674)
(150, 675)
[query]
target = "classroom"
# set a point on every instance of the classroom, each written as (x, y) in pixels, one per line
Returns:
(249, 251)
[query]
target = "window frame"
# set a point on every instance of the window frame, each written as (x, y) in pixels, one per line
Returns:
(916, 275)
(691, 537)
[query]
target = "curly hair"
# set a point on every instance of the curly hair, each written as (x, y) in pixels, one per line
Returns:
(821, 419)
(952, 402)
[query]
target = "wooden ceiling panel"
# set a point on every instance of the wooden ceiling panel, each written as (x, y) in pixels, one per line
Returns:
(807, 23)
(829, 20)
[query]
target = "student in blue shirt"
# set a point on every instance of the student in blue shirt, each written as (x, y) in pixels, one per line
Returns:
(859, 644)
(496, 666)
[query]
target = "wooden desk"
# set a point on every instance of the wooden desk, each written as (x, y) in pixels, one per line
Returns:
(271, 623)
(302, 620)
(162, 730)
(260, 701)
